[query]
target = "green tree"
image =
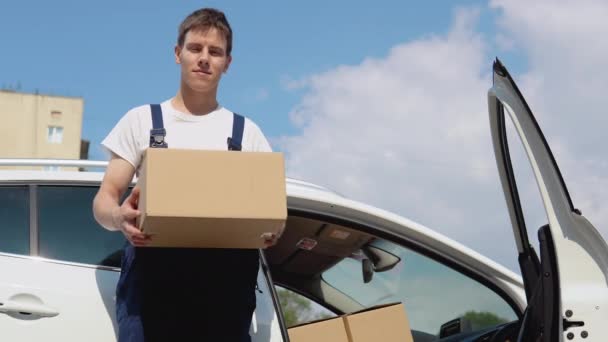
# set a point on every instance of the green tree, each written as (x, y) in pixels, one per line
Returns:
(298, 309)
(483, 319)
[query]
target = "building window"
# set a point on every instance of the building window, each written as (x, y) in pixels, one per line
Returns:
(55, 114)
(55, 134)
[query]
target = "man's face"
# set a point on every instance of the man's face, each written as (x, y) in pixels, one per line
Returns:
(203, 59)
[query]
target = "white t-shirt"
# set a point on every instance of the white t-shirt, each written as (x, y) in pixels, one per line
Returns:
(131, 135)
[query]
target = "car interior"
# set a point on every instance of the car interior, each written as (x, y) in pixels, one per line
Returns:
(311, 246)
(308, 248)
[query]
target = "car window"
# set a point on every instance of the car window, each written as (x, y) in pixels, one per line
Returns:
(532, 206)
(68, 231)
(14, 218)
(432, 293)
(298, 309)
(265, 323)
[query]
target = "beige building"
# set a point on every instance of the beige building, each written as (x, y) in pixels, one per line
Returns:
(41, 126)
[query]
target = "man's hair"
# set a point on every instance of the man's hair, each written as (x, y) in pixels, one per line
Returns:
(203, 19)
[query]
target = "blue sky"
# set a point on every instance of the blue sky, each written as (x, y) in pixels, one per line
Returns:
(384, 103)
(117, 55)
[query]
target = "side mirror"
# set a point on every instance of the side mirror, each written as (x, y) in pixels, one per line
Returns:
(368, 270)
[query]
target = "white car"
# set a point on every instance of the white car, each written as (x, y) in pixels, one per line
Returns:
(59, 268)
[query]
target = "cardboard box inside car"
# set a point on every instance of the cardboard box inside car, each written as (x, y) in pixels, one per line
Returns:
(327, 330)
(211, 199)
(386, 323)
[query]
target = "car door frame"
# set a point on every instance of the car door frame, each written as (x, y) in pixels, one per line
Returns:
(580, 253)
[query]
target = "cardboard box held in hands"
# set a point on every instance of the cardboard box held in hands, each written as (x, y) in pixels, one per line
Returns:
(386, 323)
(211, 199)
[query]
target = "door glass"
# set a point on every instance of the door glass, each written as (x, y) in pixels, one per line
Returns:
(68, 230)
(14, 218)
(529, 195)
(432, 293)
(265, 323)
(298, 309)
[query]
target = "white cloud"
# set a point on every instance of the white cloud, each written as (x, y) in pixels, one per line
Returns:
(566, 86)
(288, 83)
(409, 132)
(504, 43)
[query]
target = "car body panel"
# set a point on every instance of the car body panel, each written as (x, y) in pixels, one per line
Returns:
(82, 296)
(82, 300)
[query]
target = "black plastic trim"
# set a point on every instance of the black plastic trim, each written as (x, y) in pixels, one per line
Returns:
(506, 156)
(274, 295)
(550, 285)
(528, 259)
(500, 69)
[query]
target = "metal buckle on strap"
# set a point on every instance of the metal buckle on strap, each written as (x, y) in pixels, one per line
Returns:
(157, 138)
(233, 146)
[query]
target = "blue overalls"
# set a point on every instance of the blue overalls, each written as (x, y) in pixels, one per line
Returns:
(186, 294)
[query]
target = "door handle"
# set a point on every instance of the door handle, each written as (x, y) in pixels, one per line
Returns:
(29, 308)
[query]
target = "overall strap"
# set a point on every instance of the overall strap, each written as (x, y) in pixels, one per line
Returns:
(238, 125)
(157, 133)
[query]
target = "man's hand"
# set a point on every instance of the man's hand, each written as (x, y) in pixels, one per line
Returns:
(271, 239)
(124, 218)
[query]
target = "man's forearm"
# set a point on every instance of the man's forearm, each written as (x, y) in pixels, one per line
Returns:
(105, 210)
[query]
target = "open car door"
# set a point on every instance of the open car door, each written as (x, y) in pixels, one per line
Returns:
(567, 287)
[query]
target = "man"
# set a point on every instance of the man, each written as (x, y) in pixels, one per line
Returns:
(173, 294)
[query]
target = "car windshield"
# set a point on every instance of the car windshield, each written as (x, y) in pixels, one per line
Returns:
(431, 292)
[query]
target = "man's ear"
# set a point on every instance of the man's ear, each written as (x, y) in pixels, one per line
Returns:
(178, 51)
(228, 61)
